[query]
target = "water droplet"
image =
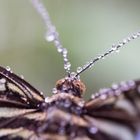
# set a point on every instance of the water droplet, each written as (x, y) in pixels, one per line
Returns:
(118, 92)
(120, 44)
(103, 96)
(81, 103)
(125, 41)
(103, 57)
(79, 69)
(138, 34)
(128, 39)
(131, 83)
(134, 36)
(64, 87)
(115, 86)
(67, 65)
(86, 65)
(50, 36)
(65, 55)
(54, 90)
(114, 48)
(2, 81)
(72, 74)
(117, 51)
(21, 76)
(65, 51)
(93, 130)
(91, 61)
(96, 94)
(91, 64)
(103, 90)
(8, 68)
(56, 42)
(124, 86)
(60, 49)
(110, 92)
(93, 96)
(47, 99)
(99, 56)
(65, 59)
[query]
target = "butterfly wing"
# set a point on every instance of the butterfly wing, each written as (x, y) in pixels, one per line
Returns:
(19, 111)
(15, 91)
(20, 124)
(115, 112)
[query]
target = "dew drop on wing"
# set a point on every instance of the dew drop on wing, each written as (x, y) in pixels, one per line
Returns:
(8, 68)
(2, 81)
(93, 130)
(54, 90)
(21, 76)
(114, 86)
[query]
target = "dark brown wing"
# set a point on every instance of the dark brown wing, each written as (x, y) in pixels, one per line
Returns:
(115, 112)
(19, 111)
(15, 91)
(20, 124)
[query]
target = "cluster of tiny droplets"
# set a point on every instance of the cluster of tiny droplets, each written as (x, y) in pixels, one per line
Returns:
(116, 90)
(52, 35)
(114, 48)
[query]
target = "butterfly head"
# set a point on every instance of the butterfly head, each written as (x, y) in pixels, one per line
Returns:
(71, 85)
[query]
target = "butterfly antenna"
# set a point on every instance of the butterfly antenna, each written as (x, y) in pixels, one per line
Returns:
(114, 48)
(51, 34)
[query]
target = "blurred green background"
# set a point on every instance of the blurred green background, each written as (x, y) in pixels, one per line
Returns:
(86, 28)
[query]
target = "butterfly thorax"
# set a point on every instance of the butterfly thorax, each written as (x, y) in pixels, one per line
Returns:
(63, 114)
(66, 102)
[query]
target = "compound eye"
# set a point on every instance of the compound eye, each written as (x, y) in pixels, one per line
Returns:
(75, 87)
(80, 86)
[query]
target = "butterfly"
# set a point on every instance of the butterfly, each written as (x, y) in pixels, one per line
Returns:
(26, 114)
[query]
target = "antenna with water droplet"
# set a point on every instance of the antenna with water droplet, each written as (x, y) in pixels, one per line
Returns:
(114, 48)
(51, 34)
